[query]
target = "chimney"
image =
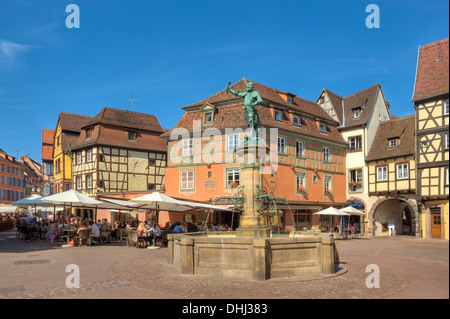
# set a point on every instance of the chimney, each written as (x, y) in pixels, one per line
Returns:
(388, 106)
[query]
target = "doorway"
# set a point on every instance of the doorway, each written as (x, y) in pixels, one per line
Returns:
(436, 223)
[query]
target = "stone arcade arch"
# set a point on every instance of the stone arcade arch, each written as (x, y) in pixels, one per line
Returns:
(403, 211)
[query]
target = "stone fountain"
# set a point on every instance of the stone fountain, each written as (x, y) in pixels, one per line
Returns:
(252, 251)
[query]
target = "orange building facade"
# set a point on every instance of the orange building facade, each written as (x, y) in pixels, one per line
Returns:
(306, 166)
(12, 180)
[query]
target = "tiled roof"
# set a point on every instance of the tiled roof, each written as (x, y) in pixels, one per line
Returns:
(72, 122)
(47, 136)
(47, 144)
(336, 100)
(268, 94)
(128, 119)
(432, 70)
(402, 128)
(231, 115)
(363, 99)
(109, 128)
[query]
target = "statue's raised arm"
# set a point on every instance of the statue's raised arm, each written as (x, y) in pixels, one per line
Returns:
(235, 93)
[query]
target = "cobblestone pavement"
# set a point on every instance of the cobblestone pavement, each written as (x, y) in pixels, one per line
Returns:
(409, 267)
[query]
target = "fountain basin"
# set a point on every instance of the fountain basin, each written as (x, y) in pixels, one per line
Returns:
(279, 256)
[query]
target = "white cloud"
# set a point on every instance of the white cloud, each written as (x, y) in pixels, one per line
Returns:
(10, 52)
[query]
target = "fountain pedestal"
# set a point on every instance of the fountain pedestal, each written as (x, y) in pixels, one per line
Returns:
(252, 223)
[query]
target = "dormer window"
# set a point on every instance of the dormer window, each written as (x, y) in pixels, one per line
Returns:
(322, 127)
(208, 117)
(132, 136)
(208, 113)
(278, 115)
(88, 134)
(296, 120)
(357, 113)
(393, 143)
(290, 99)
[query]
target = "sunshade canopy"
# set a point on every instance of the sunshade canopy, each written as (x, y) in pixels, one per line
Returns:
(31, 200)
(73, 198)
(331, 211)
(352, 211)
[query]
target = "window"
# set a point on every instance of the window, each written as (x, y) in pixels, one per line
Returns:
(233, 142)
(79, 182)
(322, 127)
(89, 181)
(327, 185)
(446, 143)
(187, 180)
(302, 218)
(48, 169)
(277, 115)
(232, 177)
(66, 187)
(186, 147)
(393, 143)
(326, 154)
(357, 113)
(382, 174)
(101, 184)
(78, 158)
(101, 158)
(301, 180)
(300, 149)
(446, 107)
(89, 156)
(402, 171)
(151, 187)
(296, 120)
(88, 134)
(355, 181)
(281, 145)
(132, 136)
(354, 144)
(289, 99)
(446, 176)
(208, 117)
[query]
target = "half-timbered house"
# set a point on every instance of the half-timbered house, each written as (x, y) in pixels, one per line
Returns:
(431, 100)
(119, 151)
(392, 179)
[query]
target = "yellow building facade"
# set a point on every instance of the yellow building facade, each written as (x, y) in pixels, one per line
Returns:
(431, 100)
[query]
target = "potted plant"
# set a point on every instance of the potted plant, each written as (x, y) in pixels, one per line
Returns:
(302, 190)
(328, 193)
(233, 184)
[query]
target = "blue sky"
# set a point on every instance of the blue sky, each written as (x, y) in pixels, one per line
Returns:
(171, 53)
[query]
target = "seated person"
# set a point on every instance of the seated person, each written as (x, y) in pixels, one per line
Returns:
(83, 225)
(178, 228)
(95, 231)
(351, 229)
(156, 233)
(336, 229)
